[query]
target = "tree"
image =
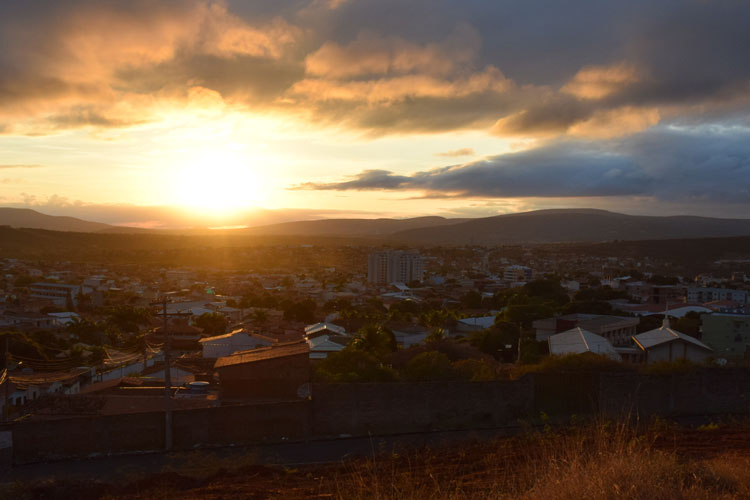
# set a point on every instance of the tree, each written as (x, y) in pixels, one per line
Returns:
(212, 323)
(475, 370)
(352, 365)
(471, 300)
(375, 340)
(430, 365)
(493, 340)
(525, 314)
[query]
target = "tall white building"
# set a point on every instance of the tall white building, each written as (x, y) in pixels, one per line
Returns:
(394, 267)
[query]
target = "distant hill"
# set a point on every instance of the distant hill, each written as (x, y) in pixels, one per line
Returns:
(586, 225)
(26, 217)
(352, 228)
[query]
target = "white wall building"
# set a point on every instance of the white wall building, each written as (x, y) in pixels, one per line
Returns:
(395, 267)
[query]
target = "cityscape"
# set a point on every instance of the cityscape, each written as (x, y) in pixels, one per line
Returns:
(352, 249)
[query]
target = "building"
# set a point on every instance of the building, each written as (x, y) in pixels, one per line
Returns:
(518, 274)
(394, 267)
(665, 344)
(727, 334)
(578, 341)
(229, 343)
(467, 325)
(59, 294)
(278, 372)
(325, 338)
(702, 295)
(616, 329)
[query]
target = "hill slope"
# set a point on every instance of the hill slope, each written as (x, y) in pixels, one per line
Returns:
(352, 227)
(25, 217)
(546, 226)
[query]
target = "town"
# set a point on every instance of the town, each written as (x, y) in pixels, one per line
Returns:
(85, 339)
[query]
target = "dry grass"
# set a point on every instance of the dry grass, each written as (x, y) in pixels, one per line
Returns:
(603, 461)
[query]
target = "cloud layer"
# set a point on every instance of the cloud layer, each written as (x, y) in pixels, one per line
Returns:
(686, 166)
(599, 71)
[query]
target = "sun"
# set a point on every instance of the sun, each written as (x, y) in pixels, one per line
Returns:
(218, 182)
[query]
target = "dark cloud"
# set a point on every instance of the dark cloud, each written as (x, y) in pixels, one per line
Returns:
(692, 165)
(538, 67)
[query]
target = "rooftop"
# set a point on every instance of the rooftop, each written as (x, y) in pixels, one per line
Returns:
(264, 353)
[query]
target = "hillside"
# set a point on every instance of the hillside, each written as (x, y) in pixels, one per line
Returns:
(26, 217)
(549, 226)
(365, 228)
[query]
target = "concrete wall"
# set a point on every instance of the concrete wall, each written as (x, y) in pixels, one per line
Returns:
(701, 392)
(114, 434)
(359, 409)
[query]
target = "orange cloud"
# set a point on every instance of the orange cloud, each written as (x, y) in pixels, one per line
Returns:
(606, 124)
(598, 82)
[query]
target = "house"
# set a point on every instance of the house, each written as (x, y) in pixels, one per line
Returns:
(666, 344)
(467, 325)
(578, 341)
(617, 329)
(229, 343)
(281, 371)
(325, 338)
(324, 327)
(27, 320)
(408, 334)
(323, 345)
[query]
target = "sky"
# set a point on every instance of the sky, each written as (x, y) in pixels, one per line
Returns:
(159, 113)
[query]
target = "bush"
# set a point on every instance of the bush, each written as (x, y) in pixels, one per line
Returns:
(431, 365)
(352, 365)
(576, 363)
(475, 370)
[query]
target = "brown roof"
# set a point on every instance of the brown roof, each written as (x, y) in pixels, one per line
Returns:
(264, 353)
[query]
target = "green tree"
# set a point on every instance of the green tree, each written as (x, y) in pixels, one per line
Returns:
(212, 323)
(526, 313)
(494, 340)
(430, 365)
(375, 340)
(352, 365)
(475, 370)
(471, 300)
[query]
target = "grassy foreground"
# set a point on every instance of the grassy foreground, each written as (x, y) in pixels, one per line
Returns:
(593, 461)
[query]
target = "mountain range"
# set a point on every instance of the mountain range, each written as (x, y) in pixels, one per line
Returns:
(541, 226)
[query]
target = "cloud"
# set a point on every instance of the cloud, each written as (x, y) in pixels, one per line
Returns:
(695, 165)
(378, 66)
(112, 64)
(18, 165)
(457, 152)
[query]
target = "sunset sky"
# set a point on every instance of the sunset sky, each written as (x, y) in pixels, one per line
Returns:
(157, 113)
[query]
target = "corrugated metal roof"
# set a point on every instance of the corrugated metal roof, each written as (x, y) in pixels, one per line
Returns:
(578, 341)
(264, 353)
(663, 335)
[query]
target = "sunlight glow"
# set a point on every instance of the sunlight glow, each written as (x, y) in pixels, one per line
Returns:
(218, 182)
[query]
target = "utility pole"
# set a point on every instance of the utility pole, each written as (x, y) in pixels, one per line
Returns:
(168, 432)
(167, 378)
(6, 396)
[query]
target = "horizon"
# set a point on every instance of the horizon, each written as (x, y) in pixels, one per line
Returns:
(219, 113)
(282, 217)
